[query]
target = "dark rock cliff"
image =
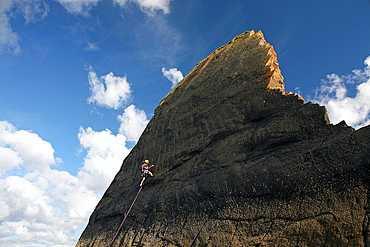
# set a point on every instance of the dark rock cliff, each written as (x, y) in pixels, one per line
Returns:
(239, 162)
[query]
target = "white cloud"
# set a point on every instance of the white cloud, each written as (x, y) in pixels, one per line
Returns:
(91, 47)
(31, 216)
(108, 91)
(333, 94)
(105, 153)
(84, 6)
(32, 10)
(8, 39)
(9, 159)
(148, 6)
(78, 6)
(174, 75)
(67, 191)
(133, 122)
(36, 153)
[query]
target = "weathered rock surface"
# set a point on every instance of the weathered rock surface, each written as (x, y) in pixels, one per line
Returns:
(239, 162)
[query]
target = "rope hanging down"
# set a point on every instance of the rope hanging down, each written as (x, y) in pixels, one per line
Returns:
(125, 217)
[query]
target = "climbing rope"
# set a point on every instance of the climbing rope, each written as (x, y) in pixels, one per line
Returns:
(125, 217)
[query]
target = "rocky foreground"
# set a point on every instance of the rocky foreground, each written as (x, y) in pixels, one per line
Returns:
(239, 162)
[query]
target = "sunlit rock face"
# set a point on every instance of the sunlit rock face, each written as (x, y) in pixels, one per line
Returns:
(239, 162)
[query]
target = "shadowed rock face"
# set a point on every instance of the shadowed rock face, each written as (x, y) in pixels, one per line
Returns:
(239, 162)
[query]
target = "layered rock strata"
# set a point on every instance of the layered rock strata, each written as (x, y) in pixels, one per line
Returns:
(239, 162)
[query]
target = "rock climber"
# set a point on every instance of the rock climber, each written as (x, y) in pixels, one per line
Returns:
(145, 169)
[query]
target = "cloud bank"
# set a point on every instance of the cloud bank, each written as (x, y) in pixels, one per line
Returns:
(333, 94)
(42, 205)
(38, 203)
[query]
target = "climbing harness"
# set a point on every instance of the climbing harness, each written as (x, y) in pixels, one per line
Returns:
(125, 216)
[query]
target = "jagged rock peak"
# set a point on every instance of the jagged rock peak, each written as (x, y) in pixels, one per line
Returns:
(239, 162)
(254, 46)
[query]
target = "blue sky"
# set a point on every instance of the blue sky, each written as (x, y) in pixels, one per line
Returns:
(80, 79)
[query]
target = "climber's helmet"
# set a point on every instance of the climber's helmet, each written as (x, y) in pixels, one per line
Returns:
(146, 161)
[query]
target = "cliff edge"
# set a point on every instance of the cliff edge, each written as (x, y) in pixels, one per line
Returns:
(239, 162)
